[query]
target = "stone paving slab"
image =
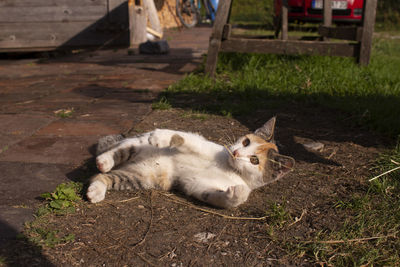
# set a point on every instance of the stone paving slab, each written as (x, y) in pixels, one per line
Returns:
(28, 180)
(51, 149)
(20, 185)
(16, 127)
(109, 92)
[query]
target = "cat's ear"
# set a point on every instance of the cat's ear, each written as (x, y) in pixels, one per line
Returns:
(266, 132)
(277, 166)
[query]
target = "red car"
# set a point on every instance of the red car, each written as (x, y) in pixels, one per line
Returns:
(349, 11)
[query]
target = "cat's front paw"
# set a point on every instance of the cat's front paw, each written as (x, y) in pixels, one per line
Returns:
(237, 195)
(96, 192)
(104, 162)
(160, 138)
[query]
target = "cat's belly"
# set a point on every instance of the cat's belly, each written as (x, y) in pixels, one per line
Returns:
(207, 172)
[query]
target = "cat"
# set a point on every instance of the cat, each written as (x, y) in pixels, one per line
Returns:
(164, 159)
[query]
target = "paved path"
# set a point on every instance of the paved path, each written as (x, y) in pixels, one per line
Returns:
(108, 91)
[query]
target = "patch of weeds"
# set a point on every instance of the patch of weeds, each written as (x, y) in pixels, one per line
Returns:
(64, 113)
(49, 238)
(162, 104)
(62, 200)
(278, 216)
(226, 113)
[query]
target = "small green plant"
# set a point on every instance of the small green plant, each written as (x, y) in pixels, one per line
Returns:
(49, 238)
(162, 104)
(62, 200)
(278, 215)
(64, 113)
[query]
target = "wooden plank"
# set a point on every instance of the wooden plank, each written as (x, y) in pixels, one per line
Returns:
(290, 47)
(226, 33)
(327, 15)
(152, 15)
(38, 3)
(73, 34)
(216, 36)
(285, 19)
(343, 33)
(221, 18)
(52, 14)
(369, 15)
(137, 23)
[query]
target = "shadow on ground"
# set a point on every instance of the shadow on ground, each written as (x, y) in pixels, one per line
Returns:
(17, 250)
(300, 119)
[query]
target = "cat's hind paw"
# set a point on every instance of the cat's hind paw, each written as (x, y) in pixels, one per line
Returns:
(104, 162)
(237, 195)
(96, 192)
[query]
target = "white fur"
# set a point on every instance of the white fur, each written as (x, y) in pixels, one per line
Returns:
(96, 191)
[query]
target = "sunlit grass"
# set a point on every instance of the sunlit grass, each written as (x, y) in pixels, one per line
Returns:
(246, 82)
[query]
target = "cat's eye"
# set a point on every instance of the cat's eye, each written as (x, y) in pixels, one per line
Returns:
(254, 160)
(246, 142)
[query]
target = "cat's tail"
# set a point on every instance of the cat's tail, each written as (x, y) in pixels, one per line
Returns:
(107, 142)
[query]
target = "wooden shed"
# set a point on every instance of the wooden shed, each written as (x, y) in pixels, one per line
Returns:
(35, 25)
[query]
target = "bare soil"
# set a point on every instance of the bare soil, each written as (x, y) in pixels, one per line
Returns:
(153, 228)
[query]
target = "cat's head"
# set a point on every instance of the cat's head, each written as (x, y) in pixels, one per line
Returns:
(256, 156)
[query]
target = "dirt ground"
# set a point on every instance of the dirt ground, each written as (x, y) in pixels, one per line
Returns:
(153, 228)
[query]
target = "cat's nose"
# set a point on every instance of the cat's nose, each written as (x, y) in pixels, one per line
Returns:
(235, 153)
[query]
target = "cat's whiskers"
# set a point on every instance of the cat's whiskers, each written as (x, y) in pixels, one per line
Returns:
(243, 158)
(280, 164)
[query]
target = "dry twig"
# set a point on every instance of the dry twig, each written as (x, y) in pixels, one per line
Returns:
(150, 224)
(350, 240)
(333, 153)
(129, 199)
(212, 212)
(387, 172)
(298, 219)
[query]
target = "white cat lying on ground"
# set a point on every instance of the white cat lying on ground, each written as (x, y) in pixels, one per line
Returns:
(166, 159)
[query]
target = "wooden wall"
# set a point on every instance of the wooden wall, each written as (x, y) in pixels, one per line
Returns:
(32, 25)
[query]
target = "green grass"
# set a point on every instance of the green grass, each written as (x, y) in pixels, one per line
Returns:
(247, 82)
(161, 104)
